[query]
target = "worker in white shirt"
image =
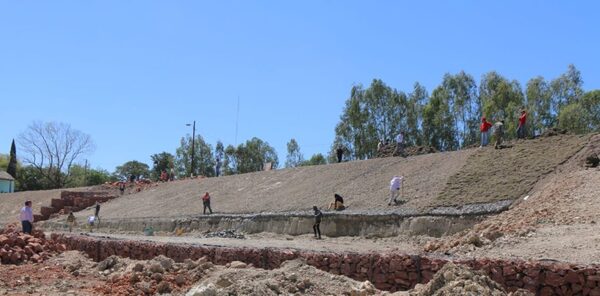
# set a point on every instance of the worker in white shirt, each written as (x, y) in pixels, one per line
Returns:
(26, 217)
(399, 144)
(395, 185)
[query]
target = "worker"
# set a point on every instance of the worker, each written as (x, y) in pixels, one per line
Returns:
(521, 127)
(485, 132)
(71, 221)
(499, 133)
(26, 217)
(399, 144)
(206, 203)
(316, 227)
(339, 152)
(338, 203)
(395, 185)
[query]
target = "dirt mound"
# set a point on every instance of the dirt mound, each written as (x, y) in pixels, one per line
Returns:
(390, 151)
(17, 247)
(459, 280)
(293, 277)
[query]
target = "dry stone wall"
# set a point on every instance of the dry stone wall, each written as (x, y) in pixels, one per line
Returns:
(72, 201)
(388, 271)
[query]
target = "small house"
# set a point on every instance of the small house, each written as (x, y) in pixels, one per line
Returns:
(7, 182)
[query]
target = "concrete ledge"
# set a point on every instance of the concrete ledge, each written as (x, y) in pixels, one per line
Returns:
(333, 225)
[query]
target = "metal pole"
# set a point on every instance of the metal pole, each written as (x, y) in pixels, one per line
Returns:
(193, 144)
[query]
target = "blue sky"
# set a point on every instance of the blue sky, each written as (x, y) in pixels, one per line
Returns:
(133, 73)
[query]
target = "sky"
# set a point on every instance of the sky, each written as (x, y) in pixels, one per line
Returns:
(131, 74)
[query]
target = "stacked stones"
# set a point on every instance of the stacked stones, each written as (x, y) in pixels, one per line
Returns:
(16, 247)
(72, 201)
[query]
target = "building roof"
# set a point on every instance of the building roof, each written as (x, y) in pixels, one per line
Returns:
(6, 176)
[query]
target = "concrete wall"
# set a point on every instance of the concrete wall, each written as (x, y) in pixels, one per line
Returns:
(333, 224)
(391, 271)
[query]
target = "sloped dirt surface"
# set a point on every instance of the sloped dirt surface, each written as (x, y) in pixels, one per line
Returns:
(500, 174)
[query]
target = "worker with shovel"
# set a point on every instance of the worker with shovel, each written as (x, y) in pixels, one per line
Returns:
(395, 186)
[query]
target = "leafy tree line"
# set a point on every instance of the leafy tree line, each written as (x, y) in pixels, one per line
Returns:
(449, 117)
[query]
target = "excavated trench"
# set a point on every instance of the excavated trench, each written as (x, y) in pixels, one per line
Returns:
(437, 222)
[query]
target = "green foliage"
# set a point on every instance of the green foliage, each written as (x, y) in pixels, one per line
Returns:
(439, 130)
(133, 167)
(12, 162)
(567, 88)
(294, 156)
(162, 162)
(501, 100)
(249, 157)
(539, 105)
(316, 159)
(465, 106)
(583, 115)
(414, 115)
(82, 176)
(4, 158)
(203, 157)
(369, 116)
(30, 178)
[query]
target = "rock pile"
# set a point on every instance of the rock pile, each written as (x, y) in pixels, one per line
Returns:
(229, 233)
(455, 279)
(160, 275)
(17, 247)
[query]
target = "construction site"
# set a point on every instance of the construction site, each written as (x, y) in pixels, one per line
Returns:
(480, 221)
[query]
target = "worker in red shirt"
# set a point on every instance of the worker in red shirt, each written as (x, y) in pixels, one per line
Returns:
(485, 132)
(521, 128)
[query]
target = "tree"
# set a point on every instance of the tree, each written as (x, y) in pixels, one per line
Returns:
(539, 105)
(294, 157)
(414, 116)
(203, 157)
(369, 116)
(581, 116)
(466, 109)
(567, 88)
(316, 159)
(84, 176)
(132, 168)
(163, 161)
(501, 100)
(12, 163)
(30, 178)
(438, 122)
(249, 157)
(52, 148)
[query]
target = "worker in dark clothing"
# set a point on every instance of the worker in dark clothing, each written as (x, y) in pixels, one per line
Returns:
(122, 187)
(340, 152)
(316, 228)
(97, 209)
(338, 203)
(206, 203)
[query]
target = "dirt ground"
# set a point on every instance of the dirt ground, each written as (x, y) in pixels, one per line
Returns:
(498, 174)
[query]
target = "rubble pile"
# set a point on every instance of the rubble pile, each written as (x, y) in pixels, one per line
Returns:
(455, 279)
(292, 278)
(17, 247)
(228, 233)
(160, 275)
(389, 150)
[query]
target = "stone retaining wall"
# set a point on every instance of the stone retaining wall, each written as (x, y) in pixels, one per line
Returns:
(389, 271)
(333, 225)
(72, 201)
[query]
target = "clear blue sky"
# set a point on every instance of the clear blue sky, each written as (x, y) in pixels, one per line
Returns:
(132, 73)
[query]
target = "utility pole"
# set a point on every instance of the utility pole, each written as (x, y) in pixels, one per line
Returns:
(193, 144)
